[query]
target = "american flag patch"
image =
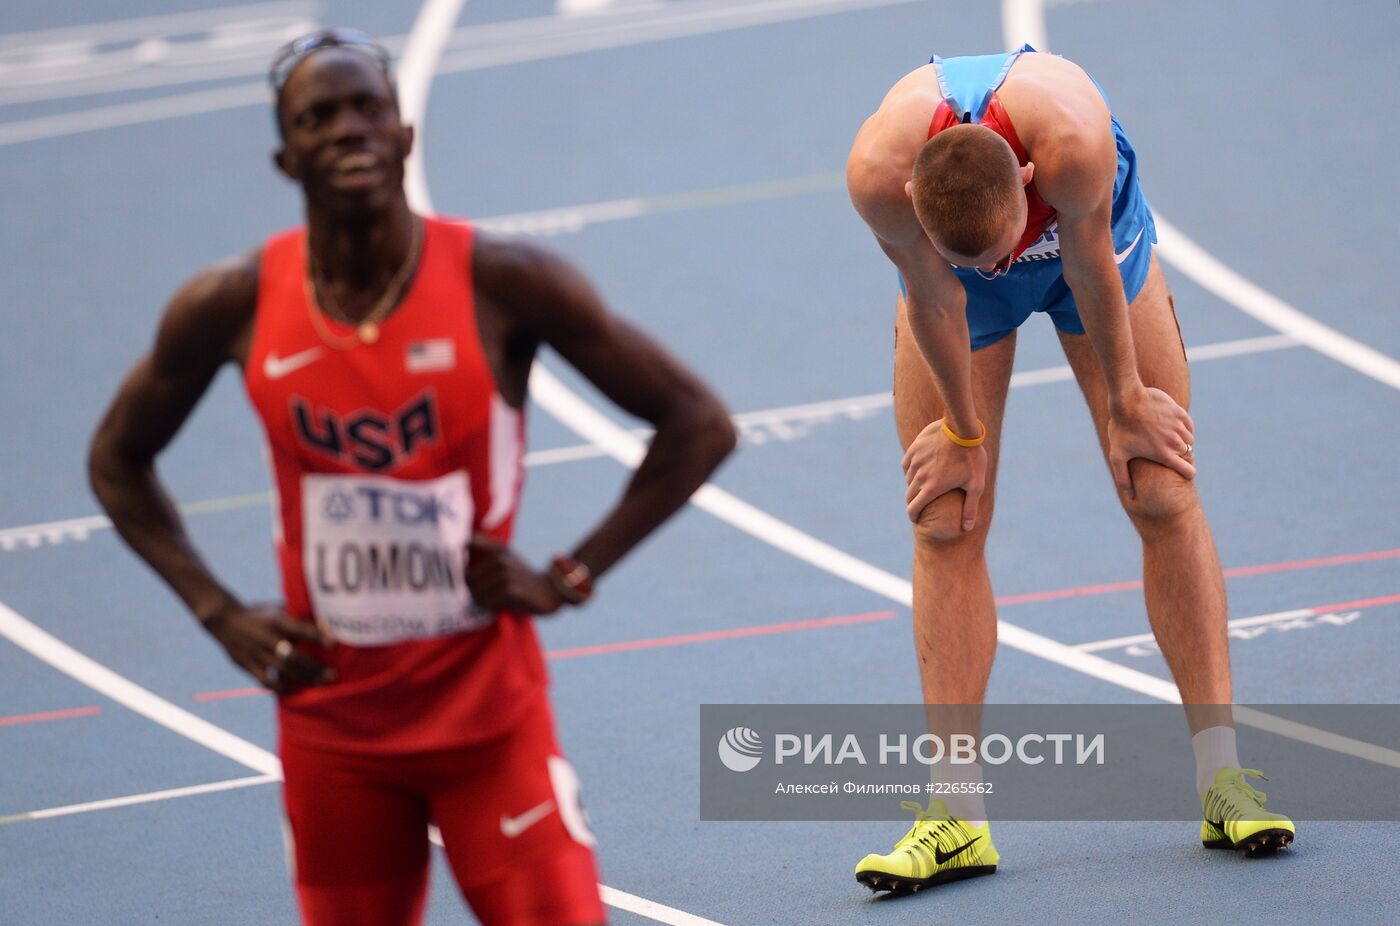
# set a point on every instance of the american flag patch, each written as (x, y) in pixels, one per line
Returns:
(431, 356)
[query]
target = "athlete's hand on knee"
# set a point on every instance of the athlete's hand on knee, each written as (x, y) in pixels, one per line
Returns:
(934, 465)
(500, 580)
(1149, 426)
(263, 640)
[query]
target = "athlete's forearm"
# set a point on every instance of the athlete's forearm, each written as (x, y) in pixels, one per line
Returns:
(1104, 311)
(690, 443)
(945, 344)
(142, 512)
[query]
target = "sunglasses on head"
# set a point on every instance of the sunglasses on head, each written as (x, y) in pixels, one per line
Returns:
(295, 51)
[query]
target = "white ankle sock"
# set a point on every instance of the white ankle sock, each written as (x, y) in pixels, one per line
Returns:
(1215, 749)
(968, 807)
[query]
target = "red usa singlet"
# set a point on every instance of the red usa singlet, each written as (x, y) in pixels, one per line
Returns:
(386, 457)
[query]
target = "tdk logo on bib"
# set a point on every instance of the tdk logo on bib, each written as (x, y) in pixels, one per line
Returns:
(384, 505)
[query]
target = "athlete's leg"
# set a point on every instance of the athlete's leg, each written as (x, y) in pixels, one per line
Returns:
(1184, 587)
(359, 844)
(954, 616)
(516, 837)
(955, 624)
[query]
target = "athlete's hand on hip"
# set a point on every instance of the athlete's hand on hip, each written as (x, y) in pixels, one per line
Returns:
(500, 580)
(1149, 425)
(263, 639)
(934, 465)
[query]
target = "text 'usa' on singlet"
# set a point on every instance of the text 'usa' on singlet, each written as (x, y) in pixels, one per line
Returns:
(386, 457)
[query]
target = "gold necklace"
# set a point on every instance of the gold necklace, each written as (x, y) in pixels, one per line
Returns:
(367, 328)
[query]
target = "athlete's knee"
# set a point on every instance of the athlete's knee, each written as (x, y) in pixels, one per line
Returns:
(1160, 494)
(940, 523)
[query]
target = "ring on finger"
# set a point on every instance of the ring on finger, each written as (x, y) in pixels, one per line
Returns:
(1187, 451)
(283, 649)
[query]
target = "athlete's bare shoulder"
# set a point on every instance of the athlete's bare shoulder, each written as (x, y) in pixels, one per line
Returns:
(539, 294)
(210, 318)
(882, 157)
(1066, 128)
(517, 273)
(1052, 102)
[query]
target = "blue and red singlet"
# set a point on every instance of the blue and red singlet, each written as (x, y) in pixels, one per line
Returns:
(998, 304)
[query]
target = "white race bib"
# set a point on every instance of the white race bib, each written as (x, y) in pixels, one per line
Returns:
(385, 559)
(1046, 247)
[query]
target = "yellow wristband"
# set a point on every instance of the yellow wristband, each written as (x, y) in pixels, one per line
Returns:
(963, 441)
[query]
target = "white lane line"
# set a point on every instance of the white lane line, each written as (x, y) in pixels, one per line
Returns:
(473, 48)
(51, 532)
(107, 117)
(49, 649)
(569, 220)
(440, 15)
(150, 797)
(621, 27)
(1315, 736)
(142, 27)
(650, 908)
(84, 67)
(1241, 347)
(1024, 21)
(1138, 639)
(1245, 628)
(622, 900)
(581, 7)
(756, 428)
(421, 53)
(1212, 275)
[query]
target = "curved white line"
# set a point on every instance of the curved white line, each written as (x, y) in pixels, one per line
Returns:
(1024, 21)
(415, 74)
(1212, 275)
(426, 40)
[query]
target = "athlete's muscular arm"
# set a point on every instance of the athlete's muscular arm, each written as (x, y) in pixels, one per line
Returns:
(1077, 179)
(550, 302)
(877, 177)
(206, 324)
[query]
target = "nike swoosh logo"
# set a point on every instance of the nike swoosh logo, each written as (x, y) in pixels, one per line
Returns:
(512, 827)
(275, 367)
(940, 856)
(1118, 258)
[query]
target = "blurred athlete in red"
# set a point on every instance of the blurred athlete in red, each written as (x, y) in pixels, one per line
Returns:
(387, 355)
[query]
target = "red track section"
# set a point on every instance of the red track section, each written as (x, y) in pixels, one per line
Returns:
(1235, 573)
(730, 634)
(43, 716)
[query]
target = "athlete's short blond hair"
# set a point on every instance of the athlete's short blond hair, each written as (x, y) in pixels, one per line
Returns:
(967, 184)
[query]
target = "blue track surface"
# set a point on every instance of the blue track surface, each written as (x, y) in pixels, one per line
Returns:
(750, 263)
